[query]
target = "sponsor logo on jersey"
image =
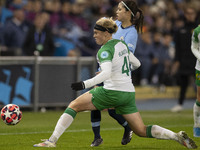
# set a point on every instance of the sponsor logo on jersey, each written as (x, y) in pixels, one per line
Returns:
(130, 45)
(121, 53)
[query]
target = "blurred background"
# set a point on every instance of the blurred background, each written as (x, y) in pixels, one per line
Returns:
(45, 45)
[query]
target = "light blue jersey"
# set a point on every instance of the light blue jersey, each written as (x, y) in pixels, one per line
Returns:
(129, 35)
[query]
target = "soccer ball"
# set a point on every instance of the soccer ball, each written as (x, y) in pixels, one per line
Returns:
(11, 114)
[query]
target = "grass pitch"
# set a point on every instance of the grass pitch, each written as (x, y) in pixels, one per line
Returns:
(36, 126)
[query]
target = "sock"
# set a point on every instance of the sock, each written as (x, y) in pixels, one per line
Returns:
(126, 126)
(96, 129)
(95, 120)
(196, 114)
(63, 123)
(160, 133)
(120, 119)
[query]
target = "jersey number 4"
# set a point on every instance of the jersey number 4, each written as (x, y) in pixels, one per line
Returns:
(126, 66)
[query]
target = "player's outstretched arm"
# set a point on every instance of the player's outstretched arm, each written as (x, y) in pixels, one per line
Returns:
(105, 73)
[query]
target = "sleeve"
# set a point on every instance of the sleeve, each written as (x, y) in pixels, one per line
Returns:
(104, 55)
(195, 46)
(135, 63)
(131, 40)
(105, 73)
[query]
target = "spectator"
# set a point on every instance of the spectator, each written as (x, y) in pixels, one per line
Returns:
(32, 8)
(63, 46)
(65, 12)
(144, 52)
(55, 15)
(14, 32)
(161, 58)
(78, 29)
(16, 4)
(4, 14)
(169, 50)
(184, 61)
(39, 38)
(77, 10)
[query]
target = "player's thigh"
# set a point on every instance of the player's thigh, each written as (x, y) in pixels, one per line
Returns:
(136, 123)
(82, 103)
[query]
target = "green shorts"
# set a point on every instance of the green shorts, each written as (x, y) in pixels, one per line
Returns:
(123, 102)
(197, 78)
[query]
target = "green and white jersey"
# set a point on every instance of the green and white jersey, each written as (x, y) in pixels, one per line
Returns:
(196, 46)
(116, 52)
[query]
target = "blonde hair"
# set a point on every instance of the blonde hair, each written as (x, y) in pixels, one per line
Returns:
(108, 23)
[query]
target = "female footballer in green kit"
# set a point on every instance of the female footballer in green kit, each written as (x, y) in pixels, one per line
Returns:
(130, 23)
(195, 47)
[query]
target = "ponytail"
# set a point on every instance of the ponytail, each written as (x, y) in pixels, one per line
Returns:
(139, 21)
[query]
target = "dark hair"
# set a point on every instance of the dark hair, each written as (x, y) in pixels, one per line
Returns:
(138, 17)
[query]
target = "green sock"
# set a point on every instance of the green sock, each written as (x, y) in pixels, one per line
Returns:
(71, 112)
(148, 131)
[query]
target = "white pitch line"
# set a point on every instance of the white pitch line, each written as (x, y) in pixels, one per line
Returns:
(81, 130)
(165, 115)
(86, 130)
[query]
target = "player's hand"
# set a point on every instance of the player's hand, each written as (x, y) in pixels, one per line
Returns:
(78, 86)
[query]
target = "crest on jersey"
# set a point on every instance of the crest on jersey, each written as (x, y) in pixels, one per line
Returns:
(130, 45)
(104, 54)
(122, 38)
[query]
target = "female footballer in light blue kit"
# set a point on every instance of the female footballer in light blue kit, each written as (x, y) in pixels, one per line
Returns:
(129, 22)
(128, 34)
(117, 92)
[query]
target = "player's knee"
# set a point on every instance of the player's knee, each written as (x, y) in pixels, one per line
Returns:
(141, 132)
(75, 106)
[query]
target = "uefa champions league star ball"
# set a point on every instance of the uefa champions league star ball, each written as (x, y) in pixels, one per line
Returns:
(11, 114)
